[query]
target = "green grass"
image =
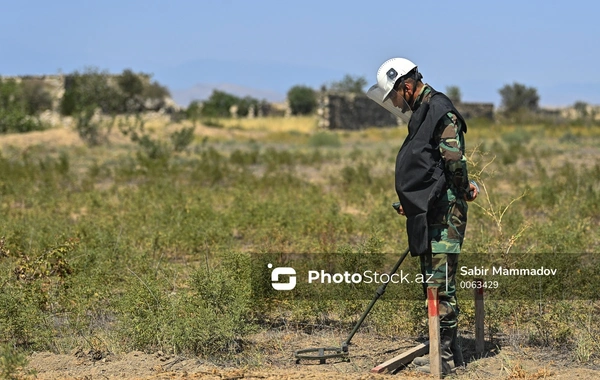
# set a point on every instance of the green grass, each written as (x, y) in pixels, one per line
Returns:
(120, 249)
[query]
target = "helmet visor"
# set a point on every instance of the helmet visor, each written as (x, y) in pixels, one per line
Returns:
(375, 93)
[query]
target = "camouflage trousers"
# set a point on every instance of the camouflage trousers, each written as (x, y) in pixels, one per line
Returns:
(440, 270)
(446, 233)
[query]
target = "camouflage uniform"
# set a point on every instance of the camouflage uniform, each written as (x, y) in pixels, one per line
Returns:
(448, 219)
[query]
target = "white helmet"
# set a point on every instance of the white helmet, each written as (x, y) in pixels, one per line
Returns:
(390, 71)
(387, 75)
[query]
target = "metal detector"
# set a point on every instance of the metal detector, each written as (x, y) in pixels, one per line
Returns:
(324, 353)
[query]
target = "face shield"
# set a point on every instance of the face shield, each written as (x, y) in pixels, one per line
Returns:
(375, 93)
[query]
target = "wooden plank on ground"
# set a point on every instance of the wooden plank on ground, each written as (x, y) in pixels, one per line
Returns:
(402, 359)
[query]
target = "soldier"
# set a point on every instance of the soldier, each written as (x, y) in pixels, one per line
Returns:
(432, 185)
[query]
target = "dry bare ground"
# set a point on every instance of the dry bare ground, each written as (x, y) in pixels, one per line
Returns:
(273, 356)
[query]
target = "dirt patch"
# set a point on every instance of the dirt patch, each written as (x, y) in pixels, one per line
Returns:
(54, 137)
(68, 136)
(270, 356)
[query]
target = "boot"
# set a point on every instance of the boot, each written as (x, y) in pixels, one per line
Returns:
(457, 350)
(447, 337)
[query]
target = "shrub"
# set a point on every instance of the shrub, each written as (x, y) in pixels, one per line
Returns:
(244, 158)
(453, 92)
(218, 104)
(130, 83)
(22, 315)
(221, 297)
(152, 148)
(518, 137)
(194, 111)
(302, 100)
(212, 123)
(321, 139)
(145, 315)
(245, 103)
(207, 320)
(12, 363)
(182, 138)
(90, 90)
(517, 97)
(16, 101)
(349, 84)
(155, 90)
(15, 120)
(90, 130)
(125, 93)
(36, 97)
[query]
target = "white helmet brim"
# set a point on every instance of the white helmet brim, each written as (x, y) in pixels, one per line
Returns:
(376, 94)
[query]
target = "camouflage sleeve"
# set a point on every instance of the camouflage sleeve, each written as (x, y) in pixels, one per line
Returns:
(451, 144)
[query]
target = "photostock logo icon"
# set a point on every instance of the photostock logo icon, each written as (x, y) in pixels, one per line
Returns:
(282, 271)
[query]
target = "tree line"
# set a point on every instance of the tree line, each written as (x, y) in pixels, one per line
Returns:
(517, 100)
(128, 92)
(302, 99)
(22, 101)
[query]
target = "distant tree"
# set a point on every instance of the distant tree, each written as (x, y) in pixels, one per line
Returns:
(90, 90)
(29, 95)
(218, 104)
(155, 90)
(14, 109)
(130, 83)
(517, 97)
(35, 96)
(131, 86)
(581, 108)
(349, 84)
(453, 92)
(245, 103)
(194, 111)
(302, 100)
(124, 93)
(10, 93)
(138, 86)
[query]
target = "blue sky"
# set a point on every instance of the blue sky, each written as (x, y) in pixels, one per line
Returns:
(478, 46)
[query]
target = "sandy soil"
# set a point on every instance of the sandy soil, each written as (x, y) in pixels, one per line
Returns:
(270, 356)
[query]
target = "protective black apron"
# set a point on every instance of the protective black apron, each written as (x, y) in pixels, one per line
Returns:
(420, 178)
